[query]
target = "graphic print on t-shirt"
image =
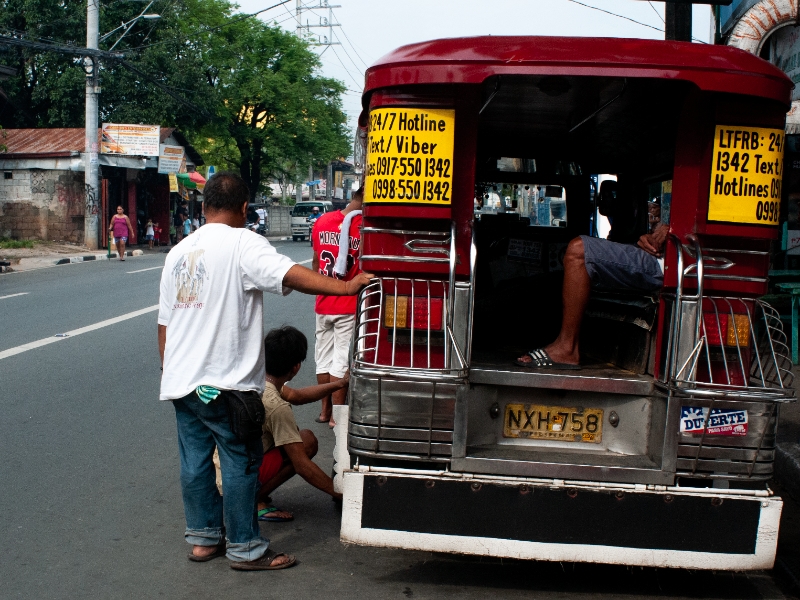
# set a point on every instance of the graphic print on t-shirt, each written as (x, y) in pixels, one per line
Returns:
(190, 272)
(326, 235)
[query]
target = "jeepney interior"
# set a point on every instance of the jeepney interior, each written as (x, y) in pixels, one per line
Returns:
(540, 139)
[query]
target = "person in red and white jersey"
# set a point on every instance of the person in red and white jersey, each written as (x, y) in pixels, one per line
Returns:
(335, 256)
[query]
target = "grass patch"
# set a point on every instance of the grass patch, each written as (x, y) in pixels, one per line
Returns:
(8, 243)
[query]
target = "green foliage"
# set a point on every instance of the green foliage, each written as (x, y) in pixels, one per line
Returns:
(259, 104)
(8, 243)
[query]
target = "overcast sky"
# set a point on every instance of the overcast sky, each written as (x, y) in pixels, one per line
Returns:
(371, 28)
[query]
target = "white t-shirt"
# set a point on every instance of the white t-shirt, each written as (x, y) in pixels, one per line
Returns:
(262, 214)
(212, 304)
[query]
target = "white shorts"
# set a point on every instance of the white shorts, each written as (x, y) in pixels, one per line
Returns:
(333, 343)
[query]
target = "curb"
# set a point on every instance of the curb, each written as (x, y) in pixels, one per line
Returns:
(87, 257)
(787, 467)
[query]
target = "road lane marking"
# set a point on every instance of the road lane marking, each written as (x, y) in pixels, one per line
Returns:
(69, 334)
(305, 262)
(148, 269)
(14, 295)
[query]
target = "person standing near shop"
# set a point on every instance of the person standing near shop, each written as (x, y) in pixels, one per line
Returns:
(120, 227)
(336, 239)
(210, 339)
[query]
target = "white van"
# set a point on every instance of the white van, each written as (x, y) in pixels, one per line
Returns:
(301, 229)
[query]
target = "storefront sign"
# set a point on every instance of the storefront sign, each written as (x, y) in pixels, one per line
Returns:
(131, 140)
(170, 158)
(410, 156)
(746, 173)
(173, 182)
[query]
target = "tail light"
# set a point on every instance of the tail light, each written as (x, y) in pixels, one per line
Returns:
(728, 337)
(721, 329)
(396, 313)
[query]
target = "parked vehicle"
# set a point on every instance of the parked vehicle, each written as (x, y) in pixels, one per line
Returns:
(301, 228)
(657, 452)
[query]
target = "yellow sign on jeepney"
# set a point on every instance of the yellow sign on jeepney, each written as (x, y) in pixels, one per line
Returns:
(746, 174)
(410, 156)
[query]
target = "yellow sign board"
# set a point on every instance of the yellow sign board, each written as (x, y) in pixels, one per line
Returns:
(746, 175)
(410, 156)
(173, 182)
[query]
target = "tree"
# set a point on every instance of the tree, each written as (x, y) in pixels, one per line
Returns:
(258, 103)
(276, 110)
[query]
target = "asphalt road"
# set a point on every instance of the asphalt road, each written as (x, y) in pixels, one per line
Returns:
(90, 502)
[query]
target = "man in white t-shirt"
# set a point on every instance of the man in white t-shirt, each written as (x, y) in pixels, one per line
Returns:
(210, 334)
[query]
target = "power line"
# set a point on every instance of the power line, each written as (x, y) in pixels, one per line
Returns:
(353, 46)
(608, 12)
(218, 27)
(358, 69)
(345, 68)
(657, 13)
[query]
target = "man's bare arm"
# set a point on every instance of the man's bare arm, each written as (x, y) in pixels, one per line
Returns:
(162, 341)
(308, 470)
(307, 281)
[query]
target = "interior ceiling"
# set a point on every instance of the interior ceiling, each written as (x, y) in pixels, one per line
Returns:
(531, 117)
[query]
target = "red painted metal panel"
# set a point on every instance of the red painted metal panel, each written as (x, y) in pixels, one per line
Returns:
(132, 213)
(472, 60)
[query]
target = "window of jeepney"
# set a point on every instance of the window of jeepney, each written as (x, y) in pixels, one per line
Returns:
(542, 204)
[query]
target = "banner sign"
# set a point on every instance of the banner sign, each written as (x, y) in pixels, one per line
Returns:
(746, 174)
(410, 156)
(131, 140)
(173, 182)
(170, 158)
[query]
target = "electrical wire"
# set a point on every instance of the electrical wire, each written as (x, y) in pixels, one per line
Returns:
(658, 13)
(218, 27)
(358, 68)
(608, 12)
(345, 68)
(352, 45)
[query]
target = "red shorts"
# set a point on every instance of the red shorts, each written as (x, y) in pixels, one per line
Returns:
(270, 465)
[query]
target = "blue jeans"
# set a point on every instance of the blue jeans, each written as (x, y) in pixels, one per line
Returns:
(201, 427)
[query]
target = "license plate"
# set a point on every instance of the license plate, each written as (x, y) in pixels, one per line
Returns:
(559, 423)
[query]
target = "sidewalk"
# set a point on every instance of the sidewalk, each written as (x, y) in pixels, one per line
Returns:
(50, 254)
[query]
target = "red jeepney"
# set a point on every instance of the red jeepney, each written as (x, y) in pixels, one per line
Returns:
(482, 159)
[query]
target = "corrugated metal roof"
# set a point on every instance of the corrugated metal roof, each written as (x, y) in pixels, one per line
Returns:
(65, 141)
(43, 141)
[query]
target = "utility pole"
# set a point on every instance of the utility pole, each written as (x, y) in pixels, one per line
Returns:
(324, 22)
(678, 21)
(91, 224)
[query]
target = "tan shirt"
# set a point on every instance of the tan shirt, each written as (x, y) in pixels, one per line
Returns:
(279, 428)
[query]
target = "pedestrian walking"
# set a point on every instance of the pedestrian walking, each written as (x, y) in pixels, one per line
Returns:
(150, 233)
(187, 225)
(335, 239)
(210, 338)
(120, 227)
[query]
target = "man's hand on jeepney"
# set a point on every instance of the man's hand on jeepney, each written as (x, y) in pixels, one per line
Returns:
(653, 243)
(358, 283)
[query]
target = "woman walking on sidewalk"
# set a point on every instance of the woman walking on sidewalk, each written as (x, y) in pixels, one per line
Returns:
(120, 227)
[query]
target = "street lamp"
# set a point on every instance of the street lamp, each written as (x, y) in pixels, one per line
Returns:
(125, 25)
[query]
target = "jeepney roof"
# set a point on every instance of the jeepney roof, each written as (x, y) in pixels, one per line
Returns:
(471, 60)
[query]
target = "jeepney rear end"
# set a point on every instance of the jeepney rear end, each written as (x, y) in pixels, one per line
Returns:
(657, 452)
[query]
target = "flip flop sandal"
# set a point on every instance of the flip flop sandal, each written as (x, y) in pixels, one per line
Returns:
(318, 420)
(219, 550)
(263, 515)
(264, 563)
(541, 360)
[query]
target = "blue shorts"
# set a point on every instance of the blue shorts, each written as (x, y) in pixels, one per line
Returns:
(149, 237)
(120, 239)
(614, 267)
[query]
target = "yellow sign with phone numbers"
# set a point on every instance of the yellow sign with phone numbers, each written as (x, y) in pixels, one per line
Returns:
(410, 156)
(746, 175)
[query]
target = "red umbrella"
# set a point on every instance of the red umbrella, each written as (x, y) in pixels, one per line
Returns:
(197, 178)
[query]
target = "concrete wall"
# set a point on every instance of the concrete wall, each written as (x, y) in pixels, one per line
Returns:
(37, 204)
(280, 220)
